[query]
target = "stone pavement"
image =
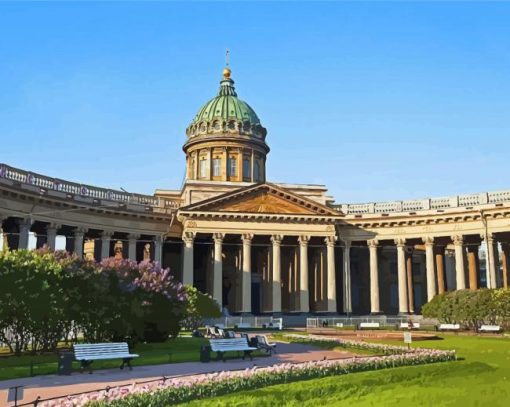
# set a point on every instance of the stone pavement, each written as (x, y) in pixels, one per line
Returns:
(53, 386)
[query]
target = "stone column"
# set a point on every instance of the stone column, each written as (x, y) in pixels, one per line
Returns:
(460, 278)
(187, 267)
(79, 234)
(106, 236)
(330, 248)
(505, 259)
(304, 303)
(132, 240)
(490, 261)
(24, 231)
(429, 261)
(410, 284)
(402, 281)
(347, 305)
(158, 249)
(246, 273)
(218, 268)
(374, 277)
(439, 253)
(472, 256)
(51, 235)
(276, 241)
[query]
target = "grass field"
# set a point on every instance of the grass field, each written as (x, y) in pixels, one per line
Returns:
(174, 350)
(480, 378)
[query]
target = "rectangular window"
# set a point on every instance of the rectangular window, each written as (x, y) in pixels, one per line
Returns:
(216, 167)
(232, 167)
(203, 168)
(246, 169)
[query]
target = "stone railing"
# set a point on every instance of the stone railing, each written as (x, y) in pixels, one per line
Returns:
(425, 204)
(83, 190)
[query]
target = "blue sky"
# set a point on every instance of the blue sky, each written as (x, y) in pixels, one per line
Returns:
(379, 101)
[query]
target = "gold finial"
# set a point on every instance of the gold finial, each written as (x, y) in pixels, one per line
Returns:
(227, 71)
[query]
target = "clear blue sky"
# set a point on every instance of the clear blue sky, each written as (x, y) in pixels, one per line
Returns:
(377, 101)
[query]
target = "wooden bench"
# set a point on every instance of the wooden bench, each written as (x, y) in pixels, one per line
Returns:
(220, 346)
(369, 325)
(490, 328)
(405, 325)
(86, 353)
(448, 327)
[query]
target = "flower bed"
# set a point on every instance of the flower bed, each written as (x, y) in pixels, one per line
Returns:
(177, 390)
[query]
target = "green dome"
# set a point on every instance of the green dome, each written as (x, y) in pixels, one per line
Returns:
(226, 106)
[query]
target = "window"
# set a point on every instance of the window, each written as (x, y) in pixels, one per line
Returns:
(246, 168)
(256, 171)
(216, 167)
(203, 168)
(232, 167)
(193, 174)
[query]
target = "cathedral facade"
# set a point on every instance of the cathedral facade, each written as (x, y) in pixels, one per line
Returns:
(268, 248)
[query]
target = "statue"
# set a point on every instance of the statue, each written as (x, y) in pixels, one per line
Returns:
(147, 252)
(118, 249)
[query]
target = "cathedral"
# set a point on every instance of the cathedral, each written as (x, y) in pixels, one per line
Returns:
(264, 248)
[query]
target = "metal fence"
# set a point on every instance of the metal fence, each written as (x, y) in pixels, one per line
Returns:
(247, 322)
(384, 321)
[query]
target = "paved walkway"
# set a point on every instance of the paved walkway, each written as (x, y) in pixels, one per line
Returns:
(54, 386)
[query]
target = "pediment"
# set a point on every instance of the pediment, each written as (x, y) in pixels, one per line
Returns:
(263, 199)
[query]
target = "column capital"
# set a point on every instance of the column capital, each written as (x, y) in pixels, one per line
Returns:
(489, 237)
(247, 237)
(428, 241)
(134, 236)
(373, 243)
(347, 242)
(400, 242)
(458, 240)
(25, 222)
(188, 238)
(303, 240)
(158, 239)
(330, 240)
(106, 234)
(79, 232)
(53, 226)
(276, 240)
(218, 237)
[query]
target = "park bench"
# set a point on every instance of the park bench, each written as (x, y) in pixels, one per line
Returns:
(405, 325)
(86, 353)
(448, 327)
(490, 328)
(369, 325)
(220, 346)
(263, 343)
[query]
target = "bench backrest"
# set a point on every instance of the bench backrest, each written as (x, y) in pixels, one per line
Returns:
(86, 350)
(227, 344)
(449, 326)
(490, 328)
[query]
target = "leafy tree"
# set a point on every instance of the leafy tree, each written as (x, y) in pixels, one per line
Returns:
(200, 306)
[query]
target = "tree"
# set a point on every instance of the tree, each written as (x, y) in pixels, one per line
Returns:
(200, 306)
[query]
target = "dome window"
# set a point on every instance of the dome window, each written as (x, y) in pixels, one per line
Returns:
(231, 125)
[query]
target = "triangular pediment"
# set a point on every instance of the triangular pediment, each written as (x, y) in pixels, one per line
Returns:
(262, 199)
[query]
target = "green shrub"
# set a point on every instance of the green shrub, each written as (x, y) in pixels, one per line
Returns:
(200, 306)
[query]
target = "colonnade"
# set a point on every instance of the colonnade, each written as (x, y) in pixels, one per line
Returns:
(77, 238)
(302, 282)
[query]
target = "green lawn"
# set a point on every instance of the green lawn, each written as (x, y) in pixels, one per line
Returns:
(185, 349)
(481, 378)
